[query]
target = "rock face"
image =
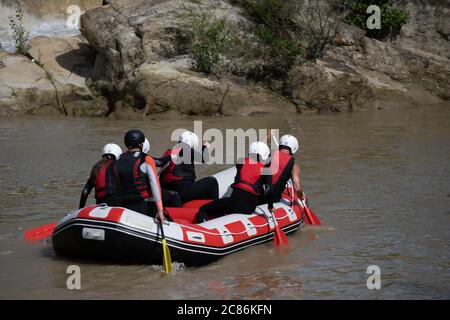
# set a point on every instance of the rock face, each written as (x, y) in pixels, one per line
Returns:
(24, 87)
(135, 60)
(68, 63)
(166, 87)
(53, 82)
(143, 65)
(360, 73)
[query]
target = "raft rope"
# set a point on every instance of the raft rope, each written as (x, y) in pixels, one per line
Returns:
(228, 233)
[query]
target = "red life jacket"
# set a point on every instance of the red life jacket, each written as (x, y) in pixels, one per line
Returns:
(282, 171)
(176, 172)
(248, 177)
(134, 185)
(101, 184)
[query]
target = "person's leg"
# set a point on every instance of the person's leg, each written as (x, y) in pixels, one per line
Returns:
(216, 207)
(171, 198)
(177, 186)
(244, 202)
(274, 197)
(206, 188)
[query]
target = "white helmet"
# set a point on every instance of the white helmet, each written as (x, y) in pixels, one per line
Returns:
(189, 138)
(112, 148)
(146, 146)
(289, 141)
(260, 148)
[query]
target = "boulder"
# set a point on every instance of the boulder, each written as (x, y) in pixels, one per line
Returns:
(53, 81)
(443, 27)
(337, 86)
(141, 62)
(24, 87)
(68, 63)
(348, 35)
(164, 87)
(400, 61)
(150, 31)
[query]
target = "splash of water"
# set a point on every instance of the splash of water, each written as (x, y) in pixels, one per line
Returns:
(49, 22)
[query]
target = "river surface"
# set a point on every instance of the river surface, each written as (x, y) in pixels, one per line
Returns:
(379, 181)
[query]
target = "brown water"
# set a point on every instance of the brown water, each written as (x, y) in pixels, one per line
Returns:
(380, 182)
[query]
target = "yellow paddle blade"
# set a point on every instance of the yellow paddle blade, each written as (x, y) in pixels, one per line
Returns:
(167, 261)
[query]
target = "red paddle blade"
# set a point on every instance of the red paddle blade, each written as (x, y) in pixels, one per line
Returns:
(39, 233)
(280, 238)
(311, 218)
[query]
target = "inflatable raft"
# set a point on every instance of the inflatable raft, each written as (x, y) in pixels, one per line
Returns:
(102, 232)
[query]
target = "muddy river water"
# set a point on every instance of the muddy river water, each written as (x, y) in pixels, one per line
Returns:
(380, 182)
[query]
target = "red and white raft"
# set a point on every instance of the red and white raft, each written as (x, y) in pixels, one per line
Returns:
(102, 232)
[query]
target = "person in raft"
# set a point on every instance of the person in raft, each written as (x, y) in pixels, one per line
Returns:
(179, 174)
(284, 168)
(138, 182)
(250, 184)
(169, 198)
(102, 178)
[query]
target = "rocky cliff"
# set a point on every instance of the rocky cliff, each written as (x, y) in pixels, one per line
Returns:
(136, 62)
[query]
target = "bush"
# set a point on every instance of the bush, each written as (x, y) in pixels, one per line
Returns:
(319, 23)
(275, 27)
(19, 34)
(211, 37)
(392, 18)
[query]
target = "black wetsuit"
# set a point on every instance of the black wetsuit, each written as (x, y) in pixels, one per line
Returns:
(111, 194)
(240, 201)
(188, 188)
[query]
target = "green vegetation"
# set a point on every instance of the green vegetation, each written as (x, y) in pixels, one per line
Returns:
(392, 18)
(210, 39)
(275, 27)
(20, 35)
(1, 46)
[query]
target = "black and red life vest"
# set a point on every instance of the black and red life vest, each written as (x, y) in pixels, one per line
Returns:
(104, 183)
(133, 183)
(283, 164)
(177, 172)
(248, 177)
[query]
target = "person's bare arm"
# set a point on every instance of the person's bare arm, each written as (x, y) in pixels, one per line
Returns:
(153, 180)
(296, 180)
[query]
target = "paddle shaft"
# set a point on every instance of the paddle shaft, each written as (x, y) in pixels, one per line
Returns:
(167, 262)
(162, 229)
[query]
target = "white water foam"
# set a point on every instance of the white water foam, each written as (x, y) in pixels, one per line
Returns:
(47, 26)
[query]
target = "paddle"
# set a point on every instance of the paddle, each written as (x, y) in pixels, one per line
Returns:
(311, 218)
(279, 238)
(167, 261)
(39, 233)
